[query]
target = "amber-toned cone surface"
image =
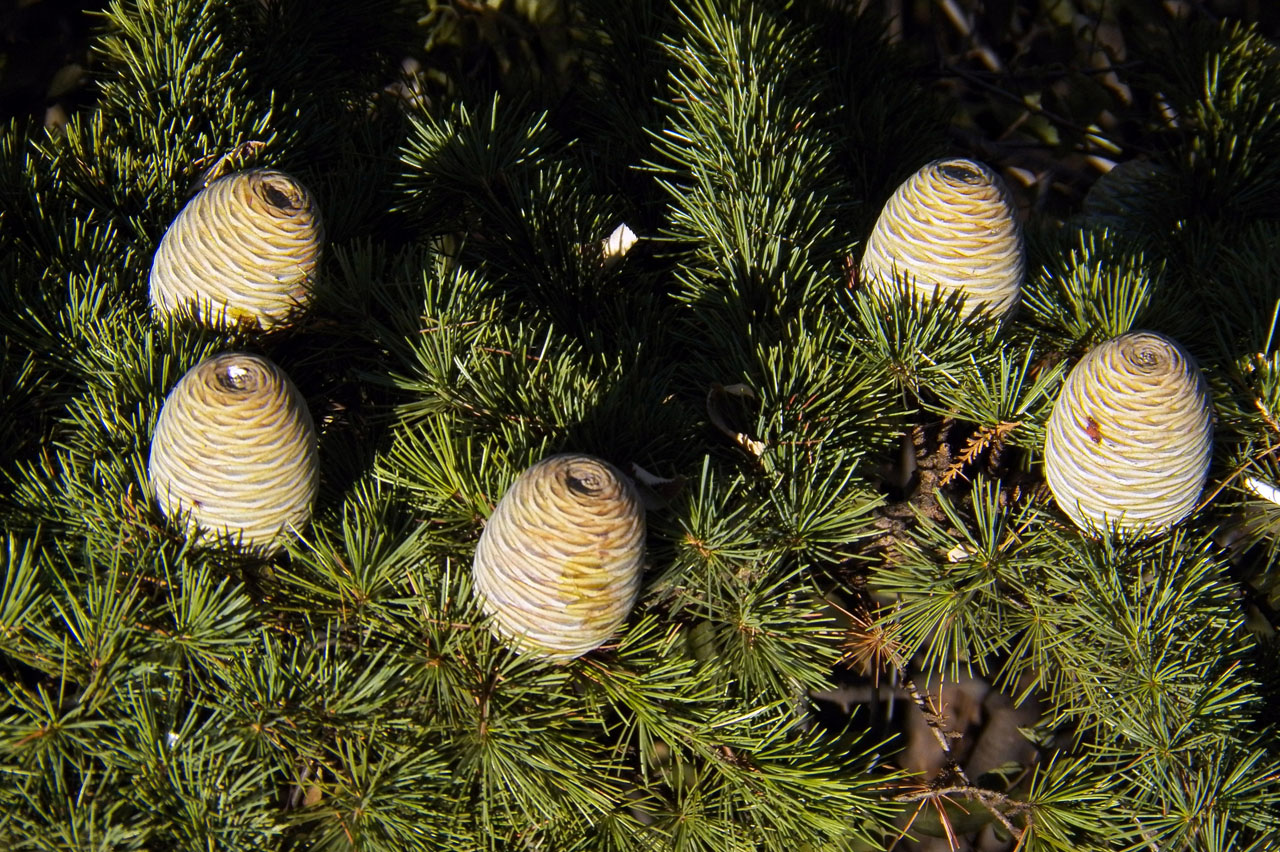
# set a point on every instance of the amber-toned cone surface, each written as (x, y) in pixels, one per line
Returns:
(242, 252)
(1130, 436)
(558, 564)
(235, 448)
(951, 226)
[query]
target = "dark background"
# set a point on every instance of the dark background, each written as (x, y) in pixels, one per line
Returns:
(1038, 86)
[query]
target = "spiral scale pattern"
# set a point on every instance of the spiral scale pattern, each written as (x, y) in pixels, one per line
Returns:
(1130, 436)
(558, 564)
(951, 226)
(234, 448)
(243, 251)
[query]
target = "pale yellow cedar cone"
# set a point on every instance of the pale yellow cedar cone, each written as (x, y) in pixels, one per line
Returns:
(235, 449)
(953, 227)
(243, 251)
(1130, 436)
(559, 562)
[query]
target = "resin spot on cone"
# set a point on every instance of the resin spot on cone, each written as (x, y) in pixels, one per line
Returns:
(1130, 437)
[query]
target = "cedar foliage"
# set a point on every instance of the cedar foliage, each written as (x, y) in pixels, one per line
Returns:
(347, 693)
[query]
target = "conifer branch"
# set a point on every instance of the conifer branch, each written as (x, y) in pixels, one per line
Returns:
(1266, 415)
(934, 718)
(346, 691)
(998, 804)
(986, 436)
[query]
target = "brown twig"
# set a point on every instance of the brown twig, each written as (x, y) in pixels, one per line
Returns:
(496, 351)
(933, 719)
(970, 77)
(1266, 415)
(1231, 477)
(452, 325)
(987, 436)
(997, 803)
(960, 21)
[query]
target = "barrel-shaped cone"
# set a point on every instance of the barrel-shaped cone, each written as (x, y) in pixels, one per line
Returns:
(234, 452)
(1130, 436)
(243, 251)
(558, 564)
(951, 227)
